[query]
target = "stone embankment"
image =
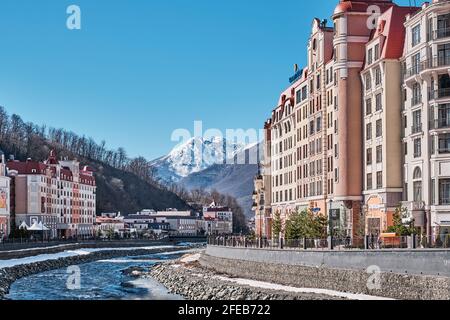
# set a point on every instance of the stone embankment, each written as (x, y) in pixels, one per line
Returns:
(382, 284)
(11, 274)
(194, 282)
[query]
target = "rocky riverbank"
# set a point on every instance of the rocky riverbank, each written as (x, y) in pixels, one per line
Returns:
(194, 282)
(11, 274)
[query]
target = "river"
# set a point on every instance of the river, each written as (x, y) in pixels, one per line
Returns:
(100, 280)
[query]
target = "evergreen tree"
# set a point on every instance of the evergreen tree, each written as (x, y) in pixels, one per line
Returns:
(276, 225)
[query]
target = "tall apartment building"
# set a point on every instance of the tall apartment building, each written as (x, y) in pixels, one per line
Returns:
(426, 93)
(4, 199)
(382, 121)
(57, 194)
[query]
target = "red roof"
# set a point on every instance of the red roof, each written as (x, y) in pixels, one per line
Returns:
(28, 167)
(391, 31)
(31, 167)
(360, 5)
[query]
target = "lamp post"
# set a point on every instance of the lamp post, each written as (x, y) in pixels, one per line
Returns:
(330, 225)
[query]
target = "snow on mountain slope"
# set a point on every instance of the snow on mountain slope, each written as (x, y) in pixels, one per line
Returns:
(195, 155)
(235, 180)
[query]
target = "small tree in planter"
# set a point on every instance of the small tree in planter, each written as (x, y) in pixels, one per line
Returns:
(438, 243)
(277, 225)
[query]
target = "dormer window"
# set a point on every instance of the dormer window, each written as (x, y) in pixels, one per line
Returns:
(370, 56)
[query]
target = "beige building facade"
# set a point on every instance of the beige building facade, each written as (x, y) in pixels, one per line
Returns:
(336, 133)
(426, 94)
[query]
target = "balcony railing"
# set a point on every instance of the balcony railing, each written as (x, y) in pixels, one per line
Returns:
(440, 124)
(413, 71)
(443, 150)
(440, 93)
(436, 62)
(416, 100)
(441, 33)
(416, 129)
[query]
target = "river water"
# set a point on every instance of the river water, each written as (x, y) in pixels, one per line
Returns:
(100, 280)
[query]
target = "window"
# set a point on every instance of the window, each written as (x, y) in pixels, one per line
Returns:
(417, 148)
(417, 176)
(417, 122)
(379, 128)
(298, 97)
(369, 156)
(444, 116)
(377, 76)
(369, 131)
(379, 179)
(311, 128)
(369, 57)
(415, 62)
(368, 81)
(444, 143)
(418, 191)
(369, 184)
(378, 102)
(444, 191)
(379, 154)
(415, 35)
(377, 52)
(319, 124)
(304, 92)
(368, 107)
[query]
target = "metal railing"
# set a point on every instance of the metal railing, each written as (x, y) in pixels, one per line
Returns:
(440, 93)
(338, 244)
(414, 70)
(416, 129)
(27, 243)
(416, 100)
(435, 62)
(440, 123)
(441, 33)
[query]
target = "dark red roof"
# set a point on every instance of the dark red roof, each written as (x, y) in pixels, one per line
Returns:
(218, 209)
(360, 5)
(28, 167)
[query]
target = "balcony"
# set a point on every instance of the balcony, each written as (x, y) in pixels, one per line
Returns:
(415, 206)
(435, 62)
(440, 124)
(416, 129)
(441, 33)
(439, 94)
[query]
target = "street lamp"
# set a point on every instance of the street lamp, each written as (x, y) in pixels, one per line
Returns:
(330, 225)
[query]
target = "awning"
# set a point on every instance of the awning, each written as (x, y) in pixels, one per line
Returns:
(23, 226)
(38, 227)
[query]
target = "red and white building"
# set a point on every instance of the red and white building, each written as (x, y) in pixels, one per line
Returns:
(55, 192)
(217, 220)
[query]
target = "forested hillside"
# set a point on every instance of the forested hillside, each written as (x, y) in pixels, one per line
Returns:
(124, 184)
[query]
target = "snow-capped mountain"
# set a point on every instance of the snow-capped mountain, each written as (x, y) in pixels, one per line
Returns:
(195, 155)
(200, 164)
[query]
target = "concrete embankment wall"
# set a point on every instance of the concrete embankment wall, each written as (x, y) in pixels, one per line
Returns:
(404, 274)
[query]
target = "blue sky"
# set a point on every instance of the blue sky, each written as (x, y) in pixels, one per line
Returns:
(139, 69)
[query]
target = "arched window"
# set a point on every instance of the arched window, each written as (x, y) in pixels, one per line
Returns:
(417, 174)
(417, 185)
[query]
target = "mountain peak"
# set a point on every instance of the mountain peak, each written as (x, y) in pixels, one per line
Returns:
(195, 155)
